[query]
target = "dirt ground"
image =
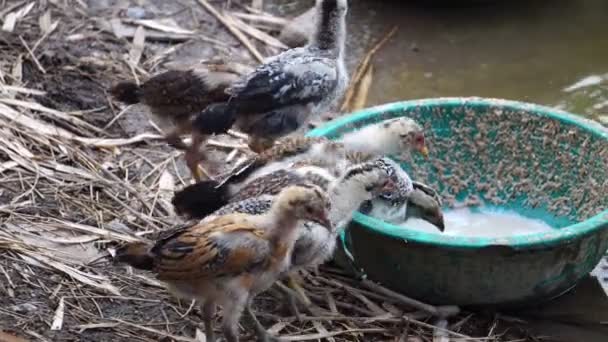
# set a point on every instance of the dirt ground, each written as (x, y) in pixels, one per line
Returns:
(79, 175)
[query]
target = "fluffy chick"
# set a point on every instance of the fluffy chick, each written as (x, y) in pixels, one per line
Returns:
(174, 98)
(396, 136)
(231, 258)
(316, 244)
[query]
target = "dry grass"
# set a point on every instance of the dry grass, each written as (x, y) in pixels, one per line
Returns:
(79, 175)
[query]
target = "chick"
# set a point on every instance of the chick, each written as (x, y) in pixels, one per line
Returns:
(399, 199)
(315, 244)
(281, 95)
(231, 258)
(396, 136)
(175, 96)
(412, 199)
(402, 135)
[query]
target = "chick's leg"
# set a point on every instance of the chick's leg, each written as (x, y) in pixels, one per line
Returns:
(294, 285)
(261, 332)
(232, 311)
(294, 291)
(174, 139)
(208, 312)
(293, 305)
(193, 157)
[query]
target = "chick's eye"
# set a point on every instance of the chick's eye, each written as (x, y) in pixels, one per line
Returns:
(369, 188)
(419, 139)
(309, 210)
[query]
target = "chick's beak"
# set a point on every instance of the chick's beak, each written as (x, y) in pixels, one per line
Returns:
(424, 151)
(438, 222)
(322, 219)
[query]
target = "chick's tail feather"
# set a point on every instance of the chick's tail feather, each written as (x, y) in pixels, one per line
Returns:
(201, 199)
(136, 254)
(126, 92)
(217, 118)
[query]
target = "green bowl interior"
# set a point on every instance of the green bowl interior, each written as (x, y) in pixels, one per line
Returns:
(537, 161)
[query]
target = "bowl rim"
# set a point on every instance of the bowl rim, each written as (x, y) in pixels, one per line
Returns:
(556, 237)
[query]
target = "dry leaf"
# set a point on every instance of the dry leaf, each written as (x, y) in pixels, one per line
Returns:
(9, 22)
(93, 280)
(8, 165)
(137, 48)
(163, 25)
(76, 240)
(166, 182)
(58, 318)
(11, 19)
(111, 143)
(107, 234)
(35, 125)
(45, 22)
(17, 70)
(154, 331)
(440, 334)
(125, 31)
(61, 115)
(277, 328)
(360, 98)
(200, 336)
(70, 170)
(81, 328)
(262, 19)
(22, 90)
(255, 33)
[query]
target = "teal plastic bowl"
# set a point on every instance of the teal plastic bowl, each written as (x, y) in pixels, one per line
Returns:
(537, 161)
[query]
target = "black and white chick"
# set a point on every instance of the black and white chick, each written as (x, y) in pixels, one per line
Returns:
(282, 94)
(410, 200)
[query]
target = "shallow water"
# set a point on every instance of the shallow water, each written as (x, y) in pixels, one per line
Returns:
(519, 50)
(483, 222)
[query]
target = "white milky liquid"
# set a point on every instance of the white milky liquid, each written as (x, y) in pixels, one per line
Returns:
(482, 223)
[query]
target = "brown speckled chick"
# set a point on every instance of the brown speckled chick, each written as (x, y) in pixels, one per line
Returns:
(176, 96)
(231, 258)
